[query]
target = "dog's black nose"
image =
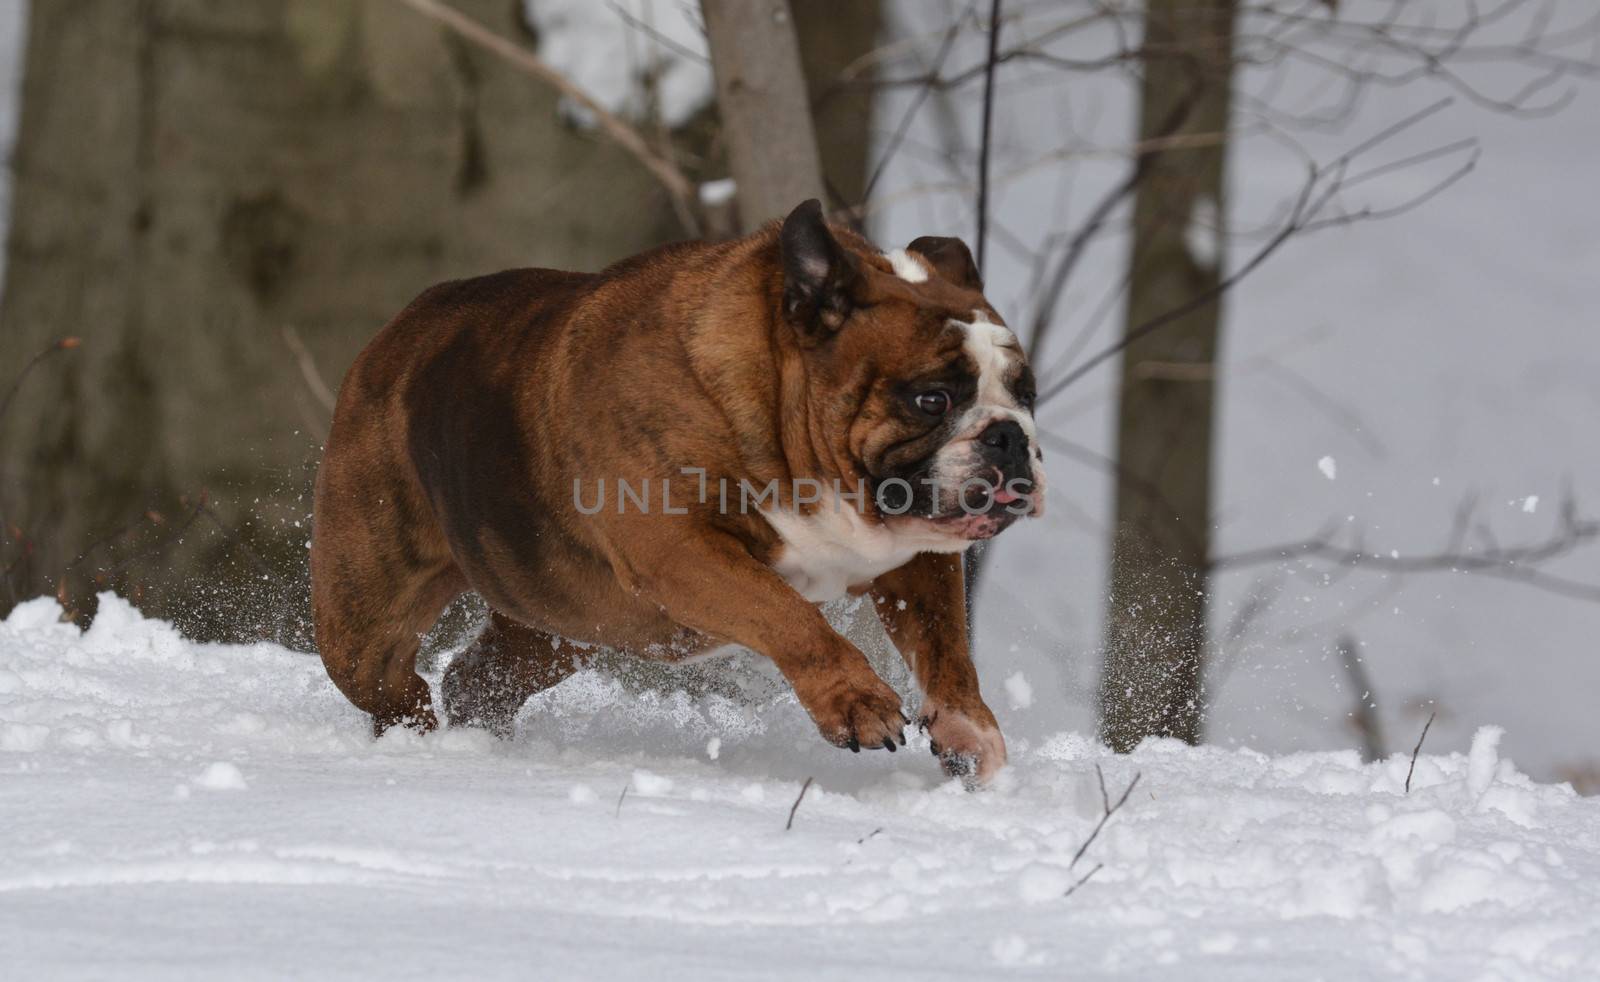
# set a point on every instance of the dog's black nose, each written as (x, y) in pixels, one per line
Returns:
(1005, 438)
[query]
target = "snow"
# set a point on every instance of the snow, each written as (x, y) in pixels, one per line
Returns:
(610, 55)
(718, 192)
(1329, 467)
(308, 848)
(222, 776)
(1019, 691)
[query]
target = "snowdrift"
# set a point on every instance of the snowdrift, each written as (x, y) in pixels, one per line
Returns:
(178, 809)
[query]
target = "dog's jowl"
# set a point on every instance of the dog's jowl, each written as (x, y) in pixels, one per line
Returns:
(694, 447)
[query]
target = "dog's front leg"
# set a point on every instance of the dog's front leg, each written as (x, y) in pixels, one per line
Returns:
(923, 607)
(712, 583)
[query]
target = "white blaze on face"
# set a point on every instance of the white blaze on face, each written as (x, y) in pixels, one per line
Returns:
(906, 266)
(996, 353)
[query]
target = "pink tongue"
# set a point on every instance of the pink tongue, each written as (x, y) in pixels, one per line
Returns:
(1005, 497)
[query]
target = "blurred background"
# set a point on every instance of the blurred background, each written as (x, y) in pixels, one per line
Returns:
(1310, 288)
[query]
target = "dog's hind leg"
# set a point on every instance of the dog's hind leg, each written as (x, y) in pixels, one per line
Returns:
(509, 662)
(380, 576)
(369, 629)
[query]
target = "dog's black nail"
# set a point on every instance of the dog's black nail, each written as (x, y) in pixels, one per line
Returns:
(904, 719)
(854, 745)
(902, 736)
(888, 744)
(935, 748)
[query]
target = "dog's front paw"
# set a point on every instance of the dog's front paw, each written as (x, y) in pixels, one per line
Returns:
(967, 743)
(856, 713)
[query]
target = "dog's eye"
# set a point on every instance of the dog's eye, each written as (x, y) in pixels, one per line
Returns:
(935, 403)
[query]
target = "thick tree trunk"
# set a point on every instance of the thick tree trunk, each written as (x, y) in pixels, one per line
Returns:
(1156, 626)
(833, 34)
(766, 112)
(191, 178)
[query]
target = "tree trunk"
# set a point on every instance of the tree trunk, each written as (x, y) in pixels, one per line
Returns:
(192, 178)
(766, 112)
(1152, 683)
(832, 36)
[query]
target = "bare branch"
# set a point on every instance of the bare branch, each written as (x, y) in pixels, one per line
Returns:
(910, 114)
(60, 344)
(986, 140)
(1321, 187)
(308, 369)
(1044, 314)
(620, 132)
(1519, 564)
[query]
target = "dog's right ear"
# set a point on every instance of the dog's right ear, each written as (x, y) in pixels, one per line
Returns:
(818, 274)
(950, 258)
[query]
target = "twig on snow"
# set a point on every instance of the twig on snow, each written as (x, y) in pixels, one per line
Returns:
(1082, 880)
(1105, 816)
(796, 806)
(1418, 749)
(620, 797)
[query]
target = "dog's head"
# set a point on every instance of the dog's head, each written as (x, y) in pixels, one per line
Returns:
(926, 394)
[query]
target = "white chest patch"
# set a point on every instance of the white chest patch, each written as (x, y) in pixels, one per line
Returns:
(827, 553)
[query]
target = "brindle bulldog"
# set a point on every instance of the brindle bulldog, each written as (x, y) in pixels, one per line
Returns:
(692, 448)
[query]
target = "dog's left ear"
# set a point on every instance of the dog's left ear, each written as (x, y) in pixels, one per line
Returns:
(950, 258)
(818, 273)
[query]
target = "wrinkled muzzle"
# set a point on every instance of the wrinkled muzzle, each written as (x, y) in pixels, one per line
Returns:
(988, 475)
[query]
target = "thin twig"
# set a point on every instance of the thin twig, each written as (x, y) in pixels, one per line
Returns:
(917, 100)
(986, 140)
(1418, 749)
(308, 368)
(1109, 810)
(60, 344)
(166, 540)
(620, 798)
(1517, 564)
(1082, 880)
(655, 35)
(1144, 158)
(1322, 185)
(796, 806)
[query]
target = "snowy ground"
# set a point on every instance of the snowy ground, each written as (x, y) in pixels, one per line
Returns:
(177, 809)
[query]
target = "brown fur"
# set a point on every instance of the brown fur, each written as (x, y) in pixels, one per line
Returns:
(461, 428)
